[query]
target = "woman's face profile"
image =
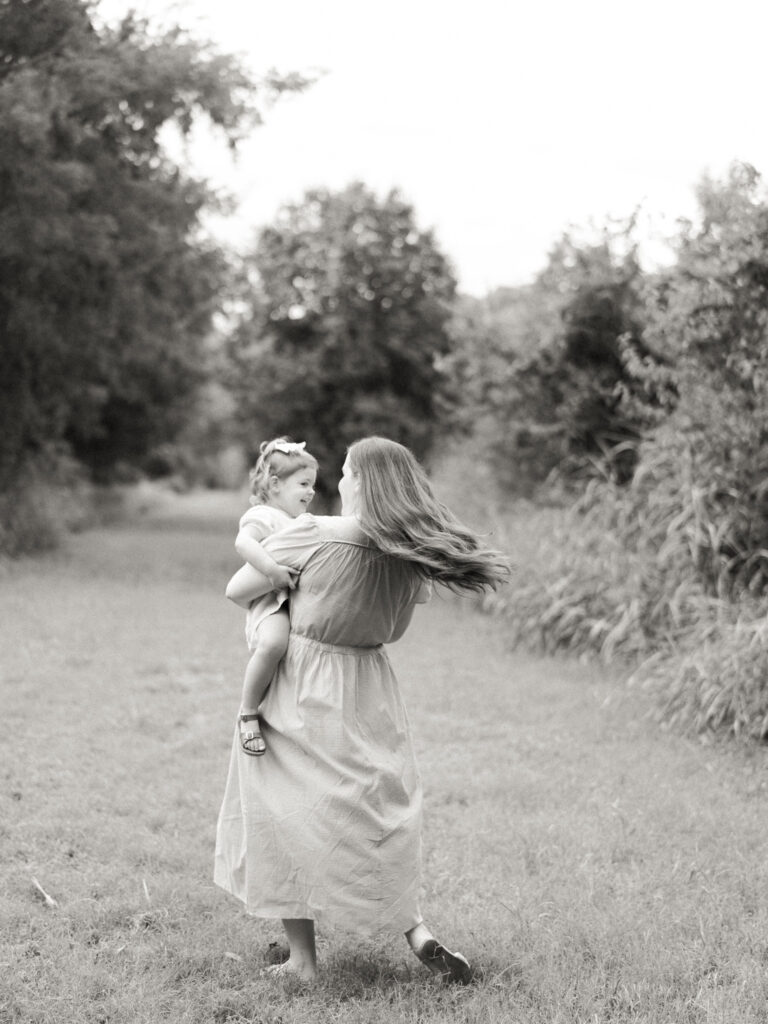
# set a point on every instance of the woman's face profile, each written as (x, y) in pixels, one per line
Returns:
(348, 489)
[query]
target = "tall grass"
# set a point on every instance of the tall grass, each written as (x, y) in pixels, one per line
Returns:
(646, 578)
(719, 682)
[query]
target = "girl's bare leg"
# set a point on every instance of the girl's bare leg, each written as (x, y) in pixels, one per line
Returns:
(271, 643)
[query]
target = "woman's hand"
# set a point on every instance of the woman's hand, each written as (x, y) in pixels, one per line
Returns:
(246, 585)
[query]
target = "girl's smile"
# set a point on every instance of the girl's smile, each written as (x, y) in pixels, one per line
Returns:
(292, 494)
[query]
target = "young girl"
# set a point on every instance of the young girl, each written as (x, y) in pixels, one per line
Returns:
(282, 486)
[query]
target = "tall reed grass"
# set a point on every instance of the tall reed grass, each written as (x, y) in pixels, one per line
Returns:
(647, 577)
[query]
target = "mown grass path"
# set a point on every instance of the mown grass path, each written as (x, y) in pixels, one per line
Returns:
(591, 866)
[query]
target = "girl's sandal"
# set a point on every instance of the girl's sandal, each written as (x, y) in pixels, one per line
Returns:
(252, 741)
(452, 968)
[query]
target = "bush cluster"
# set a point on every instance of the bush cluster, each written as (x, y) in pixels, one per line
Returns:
(666, 570)
(51, 497)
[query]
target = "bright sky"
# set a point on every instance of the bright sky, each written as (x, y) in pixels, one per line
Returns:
(504, 123)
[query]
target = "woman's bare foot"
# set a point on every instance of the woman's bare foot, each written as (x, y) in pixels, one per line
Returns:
(305, 971)
(302, 961)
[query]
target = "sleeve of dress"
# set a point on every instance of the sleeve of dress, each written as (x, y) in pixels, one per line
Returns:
(257, 521)
(420, 594)
(293, 545)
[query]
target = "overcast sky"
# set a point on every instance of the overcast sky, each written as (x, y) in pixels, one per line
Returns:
(504, 123)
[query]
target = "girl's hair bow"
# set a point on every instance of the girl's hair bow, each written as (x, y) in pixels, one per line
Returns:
(289, 447)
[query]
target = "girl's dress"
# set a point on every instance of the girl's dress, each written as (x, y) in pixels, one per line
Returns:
(327, 825)
(264, 520)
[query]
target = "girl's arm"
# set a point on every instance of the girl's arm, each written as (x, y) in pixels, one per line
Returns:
(247, 545)
(293, 546)
(246, 585)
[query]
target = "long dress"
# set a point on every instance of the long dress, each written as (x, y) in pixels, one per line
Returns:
(327, 824)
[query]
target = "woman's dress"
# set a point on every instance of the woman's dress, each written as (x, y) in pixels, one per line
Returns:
(327, 824)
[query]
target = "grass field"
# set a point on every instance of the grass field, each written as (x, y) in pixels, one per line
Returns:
(593, 868)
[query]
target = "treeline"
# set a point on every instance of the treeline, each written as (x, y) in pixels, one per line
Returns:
(641, 401)
(108, 286)
(131, 343)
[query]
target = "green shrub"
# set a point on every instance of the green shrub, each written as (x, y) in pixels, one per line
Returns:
(614, 576)
(549, 367)
(709, 315)
(721, 683)
(48, 498)
(623, 575)
(671, 571)
(27, 521)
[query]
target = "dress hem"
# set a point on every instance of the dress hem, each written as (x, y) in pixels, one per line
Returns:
(276, 912)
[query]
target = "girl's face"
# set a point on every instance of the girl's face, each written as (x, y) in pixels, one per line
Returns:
(293, 493)
(349, 487)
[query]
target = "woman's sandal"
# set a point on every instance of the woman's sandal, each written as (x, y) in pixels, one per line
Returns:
(253, 736)
(451, 967)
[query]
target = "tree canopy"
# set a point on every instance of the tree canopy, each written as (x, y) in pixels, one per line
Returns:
(346, 328)
(107, 284)
(709, 314)
(546, 364)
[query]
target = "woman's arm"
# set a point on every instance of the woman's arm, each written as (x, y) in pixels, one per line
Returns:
(246, 585)
(403, 621)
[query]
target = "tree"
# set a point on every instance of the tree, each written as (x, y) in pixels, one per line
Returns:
(556, 390)
(709, 315)
(107, 284)
(348, 330)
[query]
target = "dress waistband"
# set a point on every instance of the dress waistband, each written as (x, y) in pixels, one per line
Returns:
(359, 652)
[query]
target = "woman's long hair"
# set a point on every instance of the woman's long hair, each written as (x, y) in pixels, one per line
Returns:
(399, 512)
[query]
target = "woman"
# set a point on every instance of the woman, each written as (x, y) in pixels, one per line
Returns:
(327, 826)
